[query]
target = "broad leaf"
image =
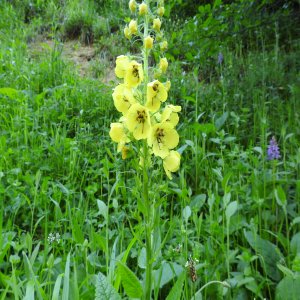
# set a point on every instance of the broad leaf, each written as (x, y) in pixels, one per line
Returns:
(104, 290)
(288, 289)
(269, 254)
(130, 282)
(167, 272)
(176, 290)
(231, 209)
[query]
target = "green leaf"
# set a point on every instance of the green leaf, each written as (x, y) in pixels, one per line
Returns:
(226, 199)
(166, 273)
(9, 92)
(269, 254)
(286, 271)
(56, 289)
(295, 243)
(30, 274)
(142, 260)
(231, 209)
(220, 121)
(104, 290)
(29, 290)
(186, 213)
(280, 197)
(177, 288)
(130, 282)
(65, 295)
(288, 289)
(103, 210)
(205, 128)
(197, 296)
(295, 221)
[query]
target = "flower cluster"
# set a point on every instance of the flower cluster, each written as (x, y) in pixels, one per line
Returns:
(53, 237)
(145, 116)
(273, 150)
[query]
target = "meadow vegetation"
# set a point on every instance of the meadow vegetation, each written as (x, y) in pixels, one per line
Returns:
(73, 220)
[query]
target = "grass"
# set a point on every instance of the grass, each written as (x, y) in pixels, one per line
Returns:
(229, 209)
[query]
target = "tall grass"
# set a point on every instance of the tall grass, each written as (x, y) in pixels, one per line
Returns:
(69, 204)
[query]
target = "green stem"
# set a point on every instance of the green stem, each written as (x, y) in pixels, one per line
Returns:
(148, 213)
(224, 283)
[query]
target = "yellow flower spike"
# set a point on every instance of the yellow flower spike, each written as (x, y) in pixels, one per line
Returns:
(163, 46)
(143, 9)
(163, 64)
(148, 42)
(161, 11)
(156, 24)
(171, 163)
(122, 63)
(123, 98)
(170, 114)
(162, 139)
(133, 27)
(138, 121)
(127, 33)
(132, 6)
(134, 74)
(118, 135)
(156, 93)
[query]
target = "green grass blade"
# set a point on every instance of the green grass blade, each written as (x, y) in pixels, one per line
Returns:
(56, 289)
(29, 290)
(66, 287)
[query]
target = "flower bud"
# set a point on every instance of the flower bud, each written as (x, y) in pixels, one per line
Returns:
(148, 42)
(133, 27)
(125, 151)
(161, 11)
(132, 6)
(143, 9)
(163, 46)
(127, 33)
(163, 64)
(168, 85)
(156, 24)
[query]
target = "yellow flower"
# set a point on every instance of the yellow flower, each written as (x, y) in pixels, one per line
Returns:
(163, 46)
(134, 74)
(156, 93)
(133, 27)
(123, 98)
(125, 151)
(163, 64)
(161, 11)
(162, 138)
(171, 163)
(118, 135)
(156, 24)
(143, 9)
(138, 121)
(148, 42)
(127, 33)
(170, 114)
(122, 63)
(168, 85)
(132, 5)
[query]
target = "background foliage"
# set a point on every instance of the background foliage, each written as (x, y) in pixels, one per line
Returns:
(69, 214)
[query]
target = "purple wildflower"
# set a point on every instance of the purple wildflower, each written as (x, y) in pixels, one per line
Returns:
(273, 149)
(220, 58)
